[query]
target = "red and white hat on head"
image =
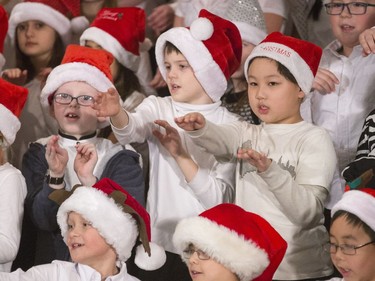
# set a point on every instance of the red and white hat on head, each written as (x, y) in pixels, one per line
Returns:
(3, 33)
(12, 100)
(300, 57)
(120, 31)
(359, 202)
(123, 220)
(80, 64)
(213, 48)
(241, 241)
(62, 15)
(247, 15)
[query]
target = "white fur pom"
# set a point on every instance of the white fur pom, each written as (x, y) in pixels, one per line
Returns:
(145, 45)
(155, 261)
(202, 29)
(79, 24)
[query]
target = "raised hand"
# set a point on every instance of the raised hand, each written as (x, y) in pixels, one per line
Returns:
(107, 104)
(85, 162)
(161, 18)
(256, 159)
(171, 140)
(191, 121)
(15, 76)
(325, 81)
(367, 41)
(56, 156)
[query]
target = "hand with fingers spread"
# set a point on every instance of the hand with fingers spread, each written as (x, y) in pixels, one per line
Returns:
(15, 76)
(367, 41)
(171, 140)
(258, 160)
(107, 104)
(325, 81)
(57, 157)
(191, 121)
(161, 18)
(85, 162)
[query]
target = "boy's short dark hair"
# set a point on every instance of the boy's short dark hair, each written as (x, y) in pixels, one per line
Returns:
(354, 221)
(170, 48)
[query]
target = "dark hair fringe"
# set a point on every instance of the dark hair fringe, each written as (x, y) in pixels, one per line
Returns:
(354, 221)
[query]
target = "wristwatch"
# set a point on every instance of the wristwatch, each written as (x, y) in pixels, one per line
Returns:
(53, 180)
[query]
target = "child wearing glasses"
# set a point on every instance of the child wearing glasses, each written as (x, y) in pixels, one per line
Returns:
(226, 243)
(344, 86)
(352, 235)
(76, 155)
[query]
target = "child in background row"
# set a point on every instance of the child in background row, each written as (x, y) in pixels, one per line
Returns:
(12, 183)
(75, 155)
(184, 179)
(99, 242)
(352, 235)
(285, 165)
(3, 33)
(226, 243)
(248, 17)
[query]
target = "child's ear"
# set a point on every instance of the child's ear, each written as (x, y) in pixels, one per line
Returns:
(301, 94)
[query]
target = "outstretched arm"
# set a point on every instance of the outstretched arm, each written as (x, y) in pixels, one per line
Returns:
(191, 121)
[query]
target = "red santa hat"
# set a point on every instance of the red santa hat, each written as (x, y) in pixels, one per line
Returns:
(243, 242)
(12, 100)
(123, 220)
(62, 15)
(3, 33)
(120, 31)
(212, 46)
(247, 15)
(360, 202)
(80, 64)
(300, 57)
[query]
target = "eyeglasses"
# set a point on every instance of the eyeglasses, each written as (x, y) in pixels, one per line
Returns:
(187, 253)
(345, 249)
(66, 99)
(354, 8)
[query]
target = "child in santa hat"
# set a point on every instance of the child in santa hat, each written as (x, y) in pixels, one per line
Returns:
(184, 179)
(12, 183)
(76, 155)
(285, 165)
(352, 235)
(39, 30)
(226, 243)
(248, 17)
(99, 242)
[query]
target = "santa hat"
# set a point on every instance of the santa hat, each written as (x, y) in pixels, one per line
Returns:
(123, 220)
(12, 100)
(359, 202)
(243, 242)
(3, 33)
(300, 57)
(62, 15)
(212, 46)
(80, 64)
(120, 31)
(247, 15)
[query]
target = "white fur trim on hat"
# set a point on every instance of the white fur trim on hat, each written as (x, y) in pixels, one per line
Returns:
(120, 230)
(37, 11)
(249, 33)
(74, 71)
(287, 57)
(9, 124)
(358, 203)
(241, 256)
(206, 70)
(109, 43)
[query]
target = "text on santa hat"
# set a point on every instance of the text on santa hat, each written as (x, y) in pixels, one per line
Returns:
(278, 50)
(108, 15)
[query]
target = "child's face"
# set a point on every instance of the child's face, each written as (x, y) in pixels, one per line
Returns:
(203, 268)
(273, 98)
(246, 50)
(358, 267)
(86, 245)
(347, 28)
(115, 64)
(75, 119)
(36, 39)
(182, 83)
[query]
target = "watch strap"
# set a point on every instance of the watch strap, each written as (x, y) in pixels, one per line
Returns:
(54, 180)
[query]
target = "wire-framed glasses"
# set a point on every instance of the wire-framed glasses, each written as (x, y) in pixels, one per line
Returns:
(189, 251)
(84, 100)
(345, 248)
(354, 8)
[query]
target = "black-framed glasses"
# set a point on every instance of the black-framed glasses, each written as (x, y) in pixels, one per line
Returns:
(345, 249)
(84, 100)
(188, 252)
(354, 8)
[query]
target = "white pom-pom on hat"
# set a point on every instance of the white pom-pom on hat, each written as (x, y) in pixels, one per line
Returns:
(153, 262)
(202, 29)
(79, 24)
